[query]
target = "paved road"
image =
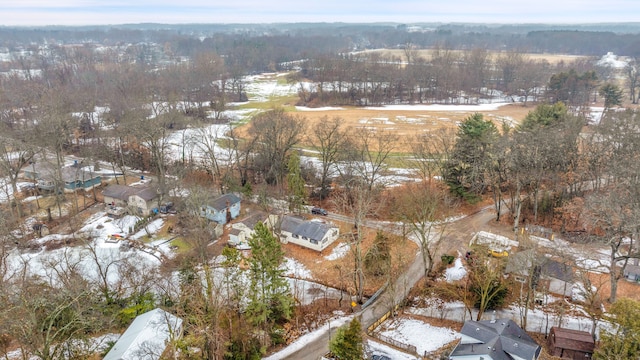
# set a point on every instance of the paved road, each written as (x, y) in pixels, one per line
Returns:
(457, 234)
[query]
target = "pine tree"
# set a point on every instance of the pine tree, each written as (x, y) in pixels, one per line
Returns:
(347, 343)
(270, 300)
(466, 172)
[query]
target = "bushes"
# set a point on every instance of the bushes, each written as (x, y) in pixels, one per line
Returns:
(447, 259)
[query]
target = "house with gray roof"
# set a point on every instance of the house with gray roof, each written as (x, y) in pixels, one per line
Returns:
(550, 275)
(140, 200)
(222, 209)
(147, 337)
(69, 178)
(243, 229)
(500, 339)
(313, 234)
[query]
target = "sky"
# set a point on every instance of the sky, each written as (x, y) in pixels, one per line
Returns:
(112, 12)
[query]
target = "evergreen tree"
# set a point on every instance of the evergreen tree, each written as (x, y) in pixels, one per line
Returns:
(544, 115)
(270, 300)
(347, 343)
(466, 172)
(612, 95)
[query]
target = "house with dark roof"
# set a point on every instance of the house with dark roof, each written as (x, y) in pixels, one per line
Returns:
(222, 209)
(500, 339)
(147, 336)
(139, 200)
(70, 178)
(312, 234)
(550, 275)
(242, 230)
(570, 344)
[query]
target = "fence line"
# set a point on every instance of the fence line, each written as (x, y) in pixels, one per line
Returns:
(409, 348)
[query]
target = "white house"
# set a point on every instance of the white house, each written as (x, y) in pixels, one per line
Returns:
(312, 234)
(147, 336)
(242, 230)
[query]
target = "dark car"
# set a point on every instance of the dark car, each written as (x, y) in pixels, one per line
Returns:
(319, 211)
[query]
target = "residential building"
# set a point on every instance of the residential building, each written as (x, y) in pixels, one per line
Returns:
(147, 337)
(222, 209)
(312, 234)
(500, 339)
(242, 230)
(71, 178)
(550, 275)
(139, 200)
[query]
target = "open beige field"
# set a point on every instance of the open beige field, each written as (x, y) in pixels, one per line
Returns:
(406, 123)
(427, 53)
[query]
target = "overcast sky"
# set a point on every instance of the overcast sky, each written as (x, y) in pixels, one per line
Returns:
(88, 12)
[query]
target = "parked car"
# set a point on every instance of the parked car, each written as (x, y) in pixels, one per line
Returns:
(319, 211)
(167, 208)
(498, 253)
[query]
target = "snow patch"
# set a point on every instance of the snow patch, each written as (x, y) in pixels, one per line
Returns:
(456, 272)
(338, 252)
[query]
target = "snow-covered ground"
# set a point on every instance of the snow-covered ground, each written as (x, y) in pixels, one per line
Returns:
(425, 337)
(455, 272)
(90, 257)
(338, 252)
(295, 269)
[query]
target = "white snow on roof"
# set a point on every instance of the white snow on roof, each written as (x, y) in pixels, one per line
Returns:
(146, 337)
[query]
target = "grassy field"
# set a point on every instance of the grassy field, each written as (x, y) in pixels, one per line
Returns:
(427, 54)
(405, 123)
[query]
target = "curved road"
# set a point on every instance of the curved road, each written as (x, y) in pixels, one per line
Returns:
(458, 234)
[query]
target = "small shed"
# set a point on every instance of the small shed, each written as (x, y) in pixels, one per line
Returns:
(570, 344)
